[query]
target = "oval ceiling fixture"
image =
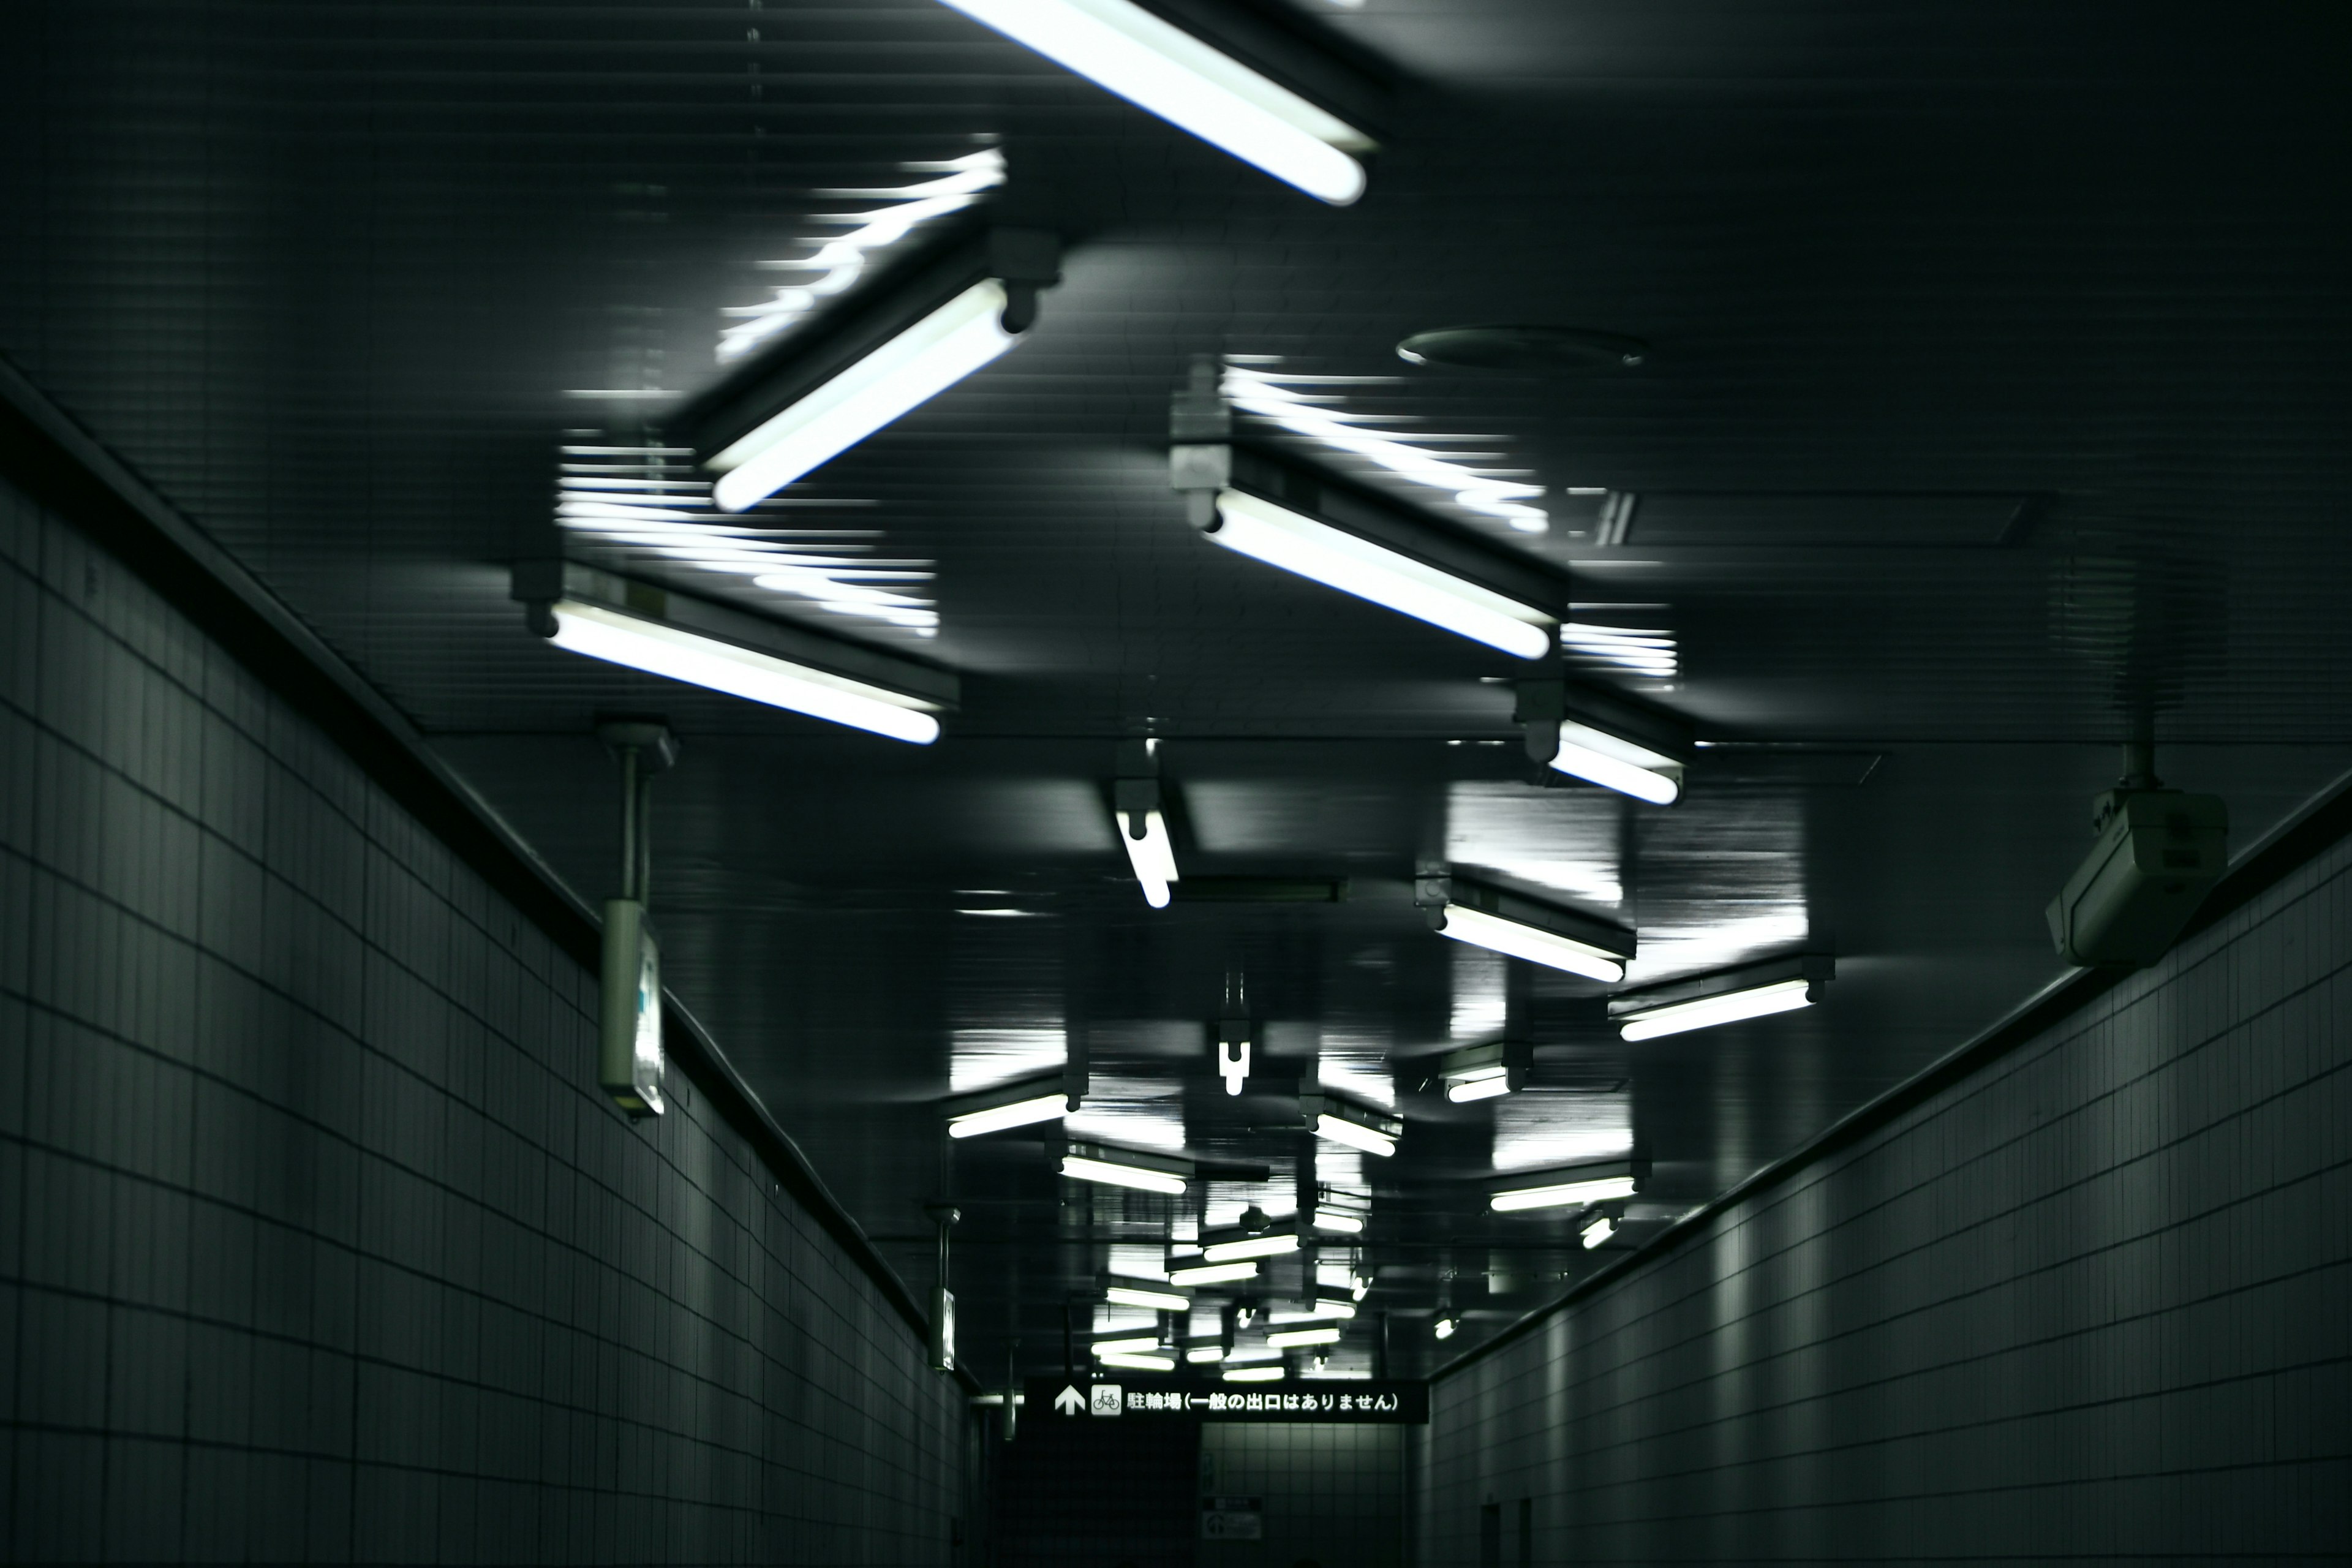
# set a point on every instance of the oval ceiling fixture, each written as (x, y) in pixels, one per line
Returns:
(1523, 348)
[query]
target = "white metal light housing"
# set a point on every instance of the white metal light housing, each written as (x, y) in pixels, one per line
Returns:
(828, 385)
(627, 622)
(1357, 1127)
(1232, 1245)
(1287, 1339)
(1605, 738)
(1162, 68)
(1727, 996)
(1225, 1273)
(1520, 927)
(1164, 1174)
(1571, 1186)
(1022, 1103)
(1319, 528)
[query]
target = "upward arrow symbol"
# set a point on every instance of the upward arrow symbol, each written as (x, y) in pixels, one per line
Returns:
(1069, 1401)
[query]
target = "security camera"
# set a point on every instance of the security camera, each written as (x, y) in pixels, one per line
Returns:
(2156, 854)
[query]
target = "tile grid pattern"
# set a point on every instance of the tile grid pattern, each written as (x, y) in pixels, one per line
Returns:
(1333, 1494)
(315, 1241)
(2093, 1301)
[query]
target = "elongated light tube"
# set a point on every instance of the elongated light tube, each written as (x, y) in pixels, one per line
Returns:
(1781, 996)
(1162, 68)
(1536, 945)
(1599, 1231)
(1130, 1344)
(1212, 1273)
(1156, 1300)
(1255, 1374)
(1141, 1363)
(1152, 856)
(1444, 1328)
(1205, 1355)
(1020, 1113)
(1103, 1171)
(1479, 1083)
(909, 371)
(1273, 1244)
(1563, 1194)
(1324, 1307)
(1339, 1220)
(1284, 1339)
(1340, 1131)
(1280, 537)
(659, 648)
(1614, 763)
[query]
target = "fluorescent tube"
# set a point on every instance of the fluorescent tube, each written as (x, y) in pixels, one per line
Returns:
(1213, 1274)
(1343, 1132)
(1444, 1328)
(1163, 68)
(1536, 945)
(1254, 1374)
(1019, 1113)
(1141, 1363)
(1273, 1244)
(1132, 1344)
(1286, 1338)
(1339, 1220)
(1156, 1300)
(1109, 1175)
(1203, 1355)
(1599, 1231)
(909, 370)
(1615, 763)
(1152, 856)
(1324, 1307)
(1479, 1083)
(1782, 996)
(659, 648)
(1337, 559)
(1563, 1194)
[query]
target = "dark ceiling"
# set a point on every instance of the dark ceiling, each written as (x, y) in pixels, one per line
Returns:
(1998, 366)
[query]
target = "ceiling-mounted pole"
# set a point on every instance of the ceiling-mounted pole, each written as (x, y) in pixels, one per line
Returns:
(630, 1061)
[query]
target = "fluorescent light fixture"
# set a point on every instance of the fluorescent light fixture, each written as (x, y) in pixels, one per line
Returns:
(1324, 1307)
(1019, 1113)
(1444, 1328)
(1273, 1244)
(1287, 1339)
(1155, 1300)
(599, 614)
(659, 650)
(1536, 945)
(868, 361)
(1574, 1186)
(1340, 1131)
(909, 371)
(1144, 835)
(1605, 738)
(1367, 1131)
(1751, 991)
(1212, 1273)
(1254, 1374)
(1484, 1072)
(1205, 1355)
(1132, 1344)
(1600, 1230)
(1521, 926)
(1141, 1363)
(1120, 1175)
(1338, 1221)
(1296, 543)
(1159, 68)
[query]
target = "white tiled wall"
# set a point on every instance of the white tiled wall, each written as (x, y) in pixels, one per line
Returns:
(2095, 1302)
(315, 1240)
